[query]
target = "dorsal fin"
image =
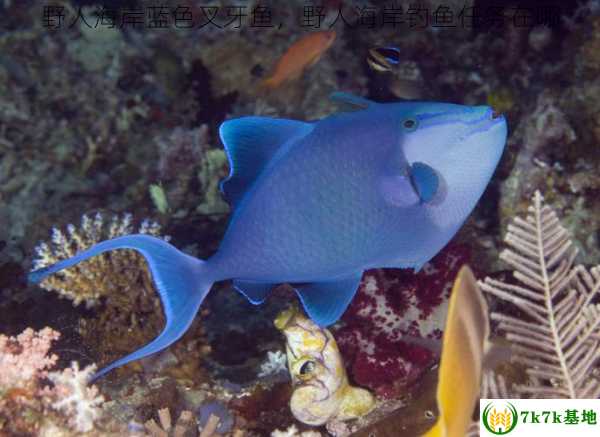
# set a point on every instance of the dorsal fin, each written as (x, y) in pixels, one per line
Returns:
(250, 143)
(349, 102)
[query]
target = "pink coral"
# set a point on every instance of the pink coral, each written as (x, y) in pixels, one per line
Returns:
(24, 359)
(29, 403)
(392, 310)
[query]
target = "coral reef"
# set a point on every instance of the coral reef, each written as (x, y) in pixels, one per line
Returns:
(292, 431)
(218, 410)
(185, 161)
(321, 392)
(30, 406)
(36, 400)
(80, 402)
(24, 358)
(265, 408)
(275, 363)
(184, 426)
(543, 127)
(69, 148)
(553, 146)
(388, 330)
(117, 286)
(106, 275)
(212, 171)
(556, 333)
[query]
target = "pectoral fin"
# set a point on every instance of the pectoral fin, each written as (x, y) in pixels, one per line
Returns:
(411, 185)
(425, 181)
(326, 301)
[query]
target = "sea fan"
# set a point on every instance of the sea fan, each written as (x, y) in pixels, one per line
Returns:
(558, 338)
(493, 386)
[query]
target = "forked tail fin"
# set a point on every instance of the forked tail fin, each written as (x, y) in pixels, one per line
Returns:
(180, 279)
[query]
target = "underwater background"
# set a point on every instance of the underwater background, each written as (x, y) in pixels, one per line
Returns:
(109, 125)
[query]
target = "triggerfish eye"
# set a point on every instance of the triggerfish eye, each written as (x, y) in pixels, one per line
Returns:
(410, 124)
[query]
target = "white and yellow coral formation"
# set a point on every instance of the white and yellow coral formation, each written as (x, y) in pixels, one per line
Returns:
(102, 275)
(321, 388)
(82, 403)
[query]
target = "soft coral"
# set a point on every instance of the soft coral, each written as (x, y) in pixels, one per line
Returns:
(390, 310)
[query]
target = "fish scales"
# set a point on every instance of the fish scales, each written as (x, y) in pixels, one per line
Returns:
(316, 207)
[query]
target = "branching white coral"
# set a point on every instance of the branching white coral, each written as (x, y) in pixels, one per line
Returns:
(98, 276)
(276, 362)
(75, 398)
(558, 338)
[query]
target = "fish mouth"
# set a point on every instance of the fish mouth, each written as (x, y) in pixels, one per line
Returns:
(492, 115)
(486, 139)
(489, 120)
(496, 114)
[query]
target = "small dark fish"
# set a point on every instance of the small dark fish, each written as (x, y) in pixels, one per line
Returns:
(383, 58)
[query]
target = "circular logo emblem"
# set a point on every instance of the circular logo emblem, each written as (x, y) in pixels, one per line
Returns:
(499, 418)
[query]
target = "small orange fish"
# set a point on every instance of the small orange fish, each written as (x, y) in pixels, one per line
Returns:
(304, 53)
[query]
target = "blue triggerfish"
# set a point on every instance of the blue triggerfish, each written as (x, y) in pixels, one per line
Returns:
(315, 204)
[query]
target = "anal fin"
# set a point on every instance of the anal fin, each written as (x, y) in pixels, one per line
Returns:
(326, 301)
(256, 292)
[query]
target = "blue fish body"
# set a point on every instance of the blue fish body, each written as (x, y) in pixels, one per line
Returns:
(317, 203)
